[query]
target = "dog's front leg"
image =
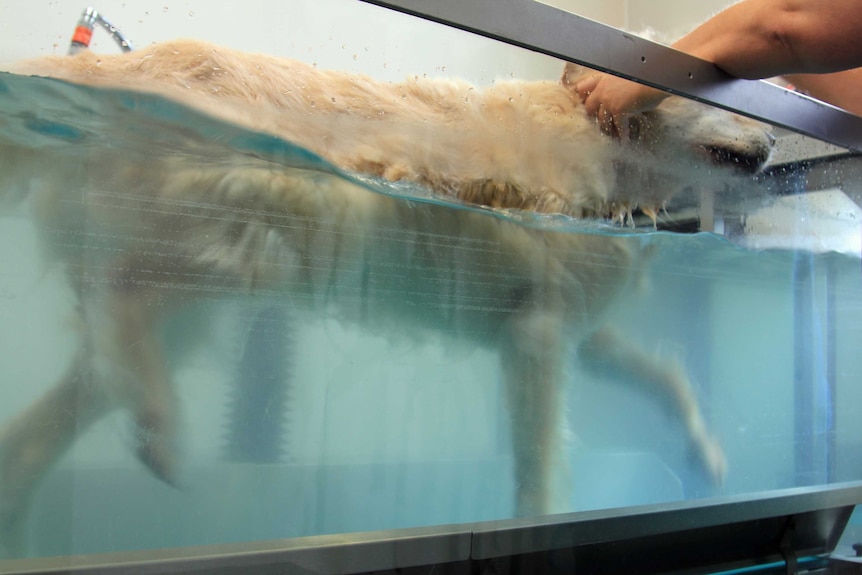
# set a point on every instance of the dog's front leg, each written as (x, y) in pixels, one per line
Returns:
(531, 359)
(32, 441)
(142, 381)
(608, 354)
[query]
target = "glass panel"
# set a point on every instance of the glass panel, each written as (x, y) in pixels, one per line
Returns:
(270, 302)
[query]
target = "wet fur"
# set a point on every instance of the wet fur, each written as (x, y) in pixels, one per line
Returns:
(214, 227)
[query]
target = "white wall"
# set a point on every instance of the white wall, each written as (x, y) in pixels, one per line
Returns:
(671, 18)
(342, 34)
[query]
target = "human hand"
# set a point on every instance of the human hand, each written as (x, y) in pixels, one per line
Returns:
(614, 101)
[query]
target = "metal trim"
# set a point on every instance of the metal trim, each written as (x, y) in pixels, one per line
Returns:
(590, 528)
(549, 30)
(324, 554)
(693, 536)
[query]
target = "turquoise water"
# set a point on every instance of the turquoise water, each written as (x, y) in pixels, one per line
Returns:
(296, 423)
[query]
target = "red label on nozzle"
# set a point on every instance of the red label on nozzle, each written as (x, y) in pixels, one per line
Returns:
(82, 35)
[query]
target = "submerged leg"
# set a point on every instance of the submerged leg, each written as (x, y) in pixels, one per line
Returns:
(35, 439)
(607, 354)
(531, 359)
(141, 382)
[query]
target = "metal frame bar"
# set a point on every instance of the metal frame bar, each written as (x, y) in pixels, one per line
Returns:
(691, 537)
(548, 30)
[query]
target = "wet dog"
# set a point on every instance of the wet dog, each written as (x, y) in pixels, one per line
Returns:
(140, 236)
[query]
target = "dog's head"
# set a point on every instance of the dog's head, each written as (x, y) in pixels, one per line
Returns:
(681, 144)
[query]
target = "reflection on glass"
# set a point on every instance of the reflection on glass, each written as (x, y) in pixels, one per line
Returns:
(382, 320)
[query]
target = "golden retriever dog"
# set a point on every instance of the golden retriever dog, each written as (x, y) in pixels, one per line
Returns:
(184, 222)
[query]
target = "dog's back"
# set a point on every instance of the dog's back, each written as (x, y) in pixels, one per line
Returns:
(514, 144)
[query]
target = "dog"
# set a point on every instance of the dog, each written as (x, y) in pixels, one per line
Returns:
(176, 226)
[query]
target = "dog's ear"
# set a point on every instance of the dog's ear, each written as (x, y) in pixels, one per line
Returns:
(572, 73)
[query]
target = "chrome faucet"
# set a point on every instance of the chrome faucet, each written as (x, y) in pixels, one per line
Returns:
(84, 32)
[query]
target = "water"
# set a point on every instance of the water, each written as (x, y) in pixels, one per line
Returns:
(298, 418)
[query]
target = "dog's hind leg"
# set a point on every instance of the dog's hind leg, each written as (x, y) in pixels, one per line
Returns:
(608, 354)
(32, 441)
(531, 359)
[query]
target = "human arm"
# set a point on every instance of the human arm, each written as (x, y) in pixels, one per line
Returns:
(751, 39)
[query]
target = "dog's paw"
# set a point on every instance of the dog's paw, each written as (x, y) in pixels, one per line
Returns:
(156, 447)
(711, 457)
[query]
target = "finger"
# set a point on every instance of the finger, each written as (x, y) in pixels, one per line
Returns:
(623, 124)
(585, 86)
(606, 121)
(592, 105)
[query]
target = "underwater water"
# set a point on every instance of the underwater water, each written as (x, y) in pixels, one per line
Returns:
(297, 420)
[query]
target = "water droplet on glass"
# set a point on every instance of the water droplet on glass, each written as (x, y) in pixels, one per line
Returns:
(165, 9)
(355, 57)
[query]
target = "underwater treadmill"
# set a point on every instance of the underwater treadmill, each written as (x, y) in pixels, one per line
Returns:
(787, 531)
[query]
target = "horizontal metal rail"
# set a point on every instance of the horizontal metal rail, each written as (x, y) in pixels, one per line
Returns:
(692, 536)
(548, 30)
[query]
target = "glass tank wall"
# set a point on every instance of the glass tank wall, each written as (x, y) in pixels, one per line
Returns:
(213, 335)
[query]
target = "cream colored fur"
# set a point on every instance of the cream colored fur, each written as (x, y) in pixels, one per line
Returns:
(174, 227)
